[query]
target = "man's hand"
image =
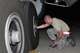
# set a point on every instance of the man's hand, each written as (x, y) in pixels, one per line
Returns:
(55, 42)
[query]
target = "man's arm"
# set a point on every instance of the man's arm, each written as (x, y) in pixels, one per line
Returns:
(42, 26)
(60, 35)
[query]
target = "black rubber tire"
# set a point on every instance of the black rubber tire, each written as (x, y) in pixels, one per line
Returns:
(33, 40)
(6, 8)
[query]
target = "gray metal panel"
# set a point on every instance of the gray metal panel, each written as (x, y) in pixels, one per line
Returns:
(70, 2)
(38, 5)
(63, 3)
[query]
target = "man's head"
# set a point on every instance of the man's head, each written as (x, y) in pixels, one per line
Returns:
(48, 19)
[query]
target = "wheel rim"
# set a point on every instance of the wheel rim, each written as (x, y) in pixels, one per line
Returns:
(14, 34)
(34, 26)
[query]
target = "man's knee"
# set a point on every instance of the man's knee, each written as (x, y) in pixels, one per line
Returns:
(49, 30)
(51, 33)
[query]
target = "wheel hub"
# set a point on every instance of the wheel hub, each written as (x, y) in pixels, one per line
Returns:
(15, 37)
(34, 26)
